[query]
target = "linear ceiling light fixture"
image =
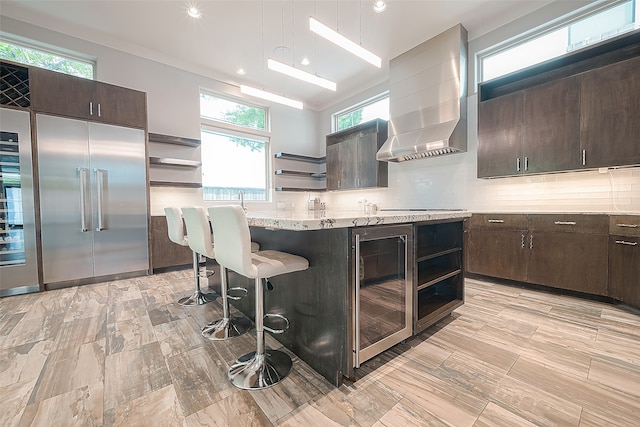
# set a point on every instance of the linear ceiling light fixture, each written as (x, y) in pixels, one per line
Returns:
(248, 90)
(340, 40)
(299, 74)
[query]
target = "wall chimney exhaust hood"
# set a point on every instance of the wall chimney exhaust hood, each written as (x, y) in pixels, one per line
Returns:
(428, 99)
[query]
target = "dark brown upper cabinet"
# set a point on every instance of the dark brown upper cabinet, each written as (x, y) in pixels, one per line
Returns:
(610, 115)
(70, 96)
(578, 111)
(551, 138)
(500, 136)
(351, 157)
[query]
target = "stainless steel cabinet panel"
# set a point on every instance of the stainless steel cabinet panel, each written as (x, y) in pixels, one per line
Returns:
(63, 163)
(118, 182)
(93, 199)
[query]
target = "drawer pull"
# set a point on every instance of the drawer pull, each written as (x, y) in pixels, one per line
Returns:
(628, 225)
(622, 242)
(565, 223)
(496, 220)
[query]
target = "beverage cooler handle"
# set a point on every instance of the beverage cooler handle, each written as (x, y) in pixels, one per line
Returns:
(82, 175)
(99, 185)
(356, 320)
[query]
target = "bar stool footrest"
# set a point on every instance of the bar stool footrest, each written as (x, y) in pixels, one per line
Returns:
(276, 331)
(243, 291)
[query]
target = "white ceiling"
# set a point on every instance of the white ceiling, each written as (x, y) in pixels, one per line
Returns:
(244, 33)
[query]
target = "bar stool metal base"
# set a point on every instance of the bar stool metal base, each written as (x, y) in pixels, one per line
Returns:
(254, 372)
(198, 298)
(226, 328)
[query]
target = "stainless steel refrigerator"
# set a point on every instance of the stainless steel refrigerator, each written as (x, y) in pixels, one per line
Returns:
(18, 256)
(93, 199)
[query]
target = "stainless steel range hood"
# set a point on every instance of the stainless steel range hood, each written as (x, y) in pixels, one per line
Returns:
(428, 99)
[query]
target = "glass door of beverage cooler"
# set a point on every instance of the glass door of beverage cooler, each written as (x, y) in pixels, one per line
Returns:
(383, 289)
(18, 263)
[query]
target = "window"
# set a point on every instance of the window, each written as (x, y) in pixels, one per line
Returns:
(551, 43)
(235, 148)
(374, 108)
(55, 61)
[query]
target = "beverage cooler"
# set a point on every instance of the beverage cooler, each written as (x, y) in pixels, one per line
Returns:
(382, 298)
(18, 257)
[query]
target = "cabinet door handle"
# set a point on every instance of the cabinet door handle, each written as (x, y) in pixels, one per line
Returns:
(628, 225)
(622, 242)
(99, 193)
(90, 108)
(518, 164)
(531, 242)
(82, 173)
(526, 163)
(500, 221)
(565, 223)
(522, 241)
(99, 113)
(584, 157)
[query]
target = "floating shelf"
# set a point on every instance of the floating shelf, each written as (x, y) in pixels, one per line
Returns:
(300, 158)
(316, 175)
(315, 190)
(165, 161)
(175, 184)
(176, 140)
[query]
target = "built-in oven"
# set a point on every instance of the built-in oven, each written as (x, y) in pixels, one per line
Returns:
(382, 289)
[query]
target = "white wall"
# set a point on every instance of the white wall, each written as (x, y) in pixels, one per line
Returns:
(173, 107)
(450, 181)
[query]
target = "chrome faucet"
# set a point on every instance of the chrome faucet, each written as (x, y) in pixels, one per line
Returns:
(241, 197)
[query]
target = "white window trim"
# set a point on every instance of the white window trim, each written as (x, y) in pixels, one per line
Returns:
(238, 100)
(51, 49)
(542, 30)
(352, 108)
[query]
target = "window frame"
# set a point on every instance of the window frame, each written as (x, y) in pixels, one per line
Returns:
(51, 50)
(545, 29)
(335, 117)
(239, 131)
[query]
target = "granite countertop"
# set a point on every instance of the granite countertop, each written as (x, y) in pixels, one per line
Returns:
(318, 220)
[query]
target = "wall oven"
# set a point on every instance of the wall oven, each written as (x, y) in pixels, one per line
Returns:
(382, 291)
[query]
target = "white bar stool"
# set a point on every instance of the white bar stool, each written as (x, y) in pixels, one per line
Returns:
(175, 228)
(200, 240)
(261, 368)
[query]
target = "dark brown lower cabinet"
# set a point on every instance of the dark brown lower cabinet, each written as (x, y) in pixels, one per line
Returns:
(165, 253)
(624, 269)
(573, 261)
(498, 253)
(560, 251)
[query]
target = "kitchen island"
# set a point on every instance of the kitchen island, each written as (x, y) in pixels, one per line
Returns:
(320, 301)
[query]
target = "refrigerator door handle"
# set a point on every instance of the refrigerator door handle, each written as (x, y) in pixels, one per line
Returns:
(99, 192)
(82, 174)
(356, 320)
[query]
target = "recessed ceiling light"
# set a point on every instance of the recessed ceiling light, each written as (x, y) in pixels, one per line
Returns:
(193, 12)
(379, 6)
(241, 71)
(305, 61)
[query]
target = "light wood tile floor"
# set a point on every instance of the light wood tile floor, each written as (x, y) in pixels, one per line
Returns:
(125, 353)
